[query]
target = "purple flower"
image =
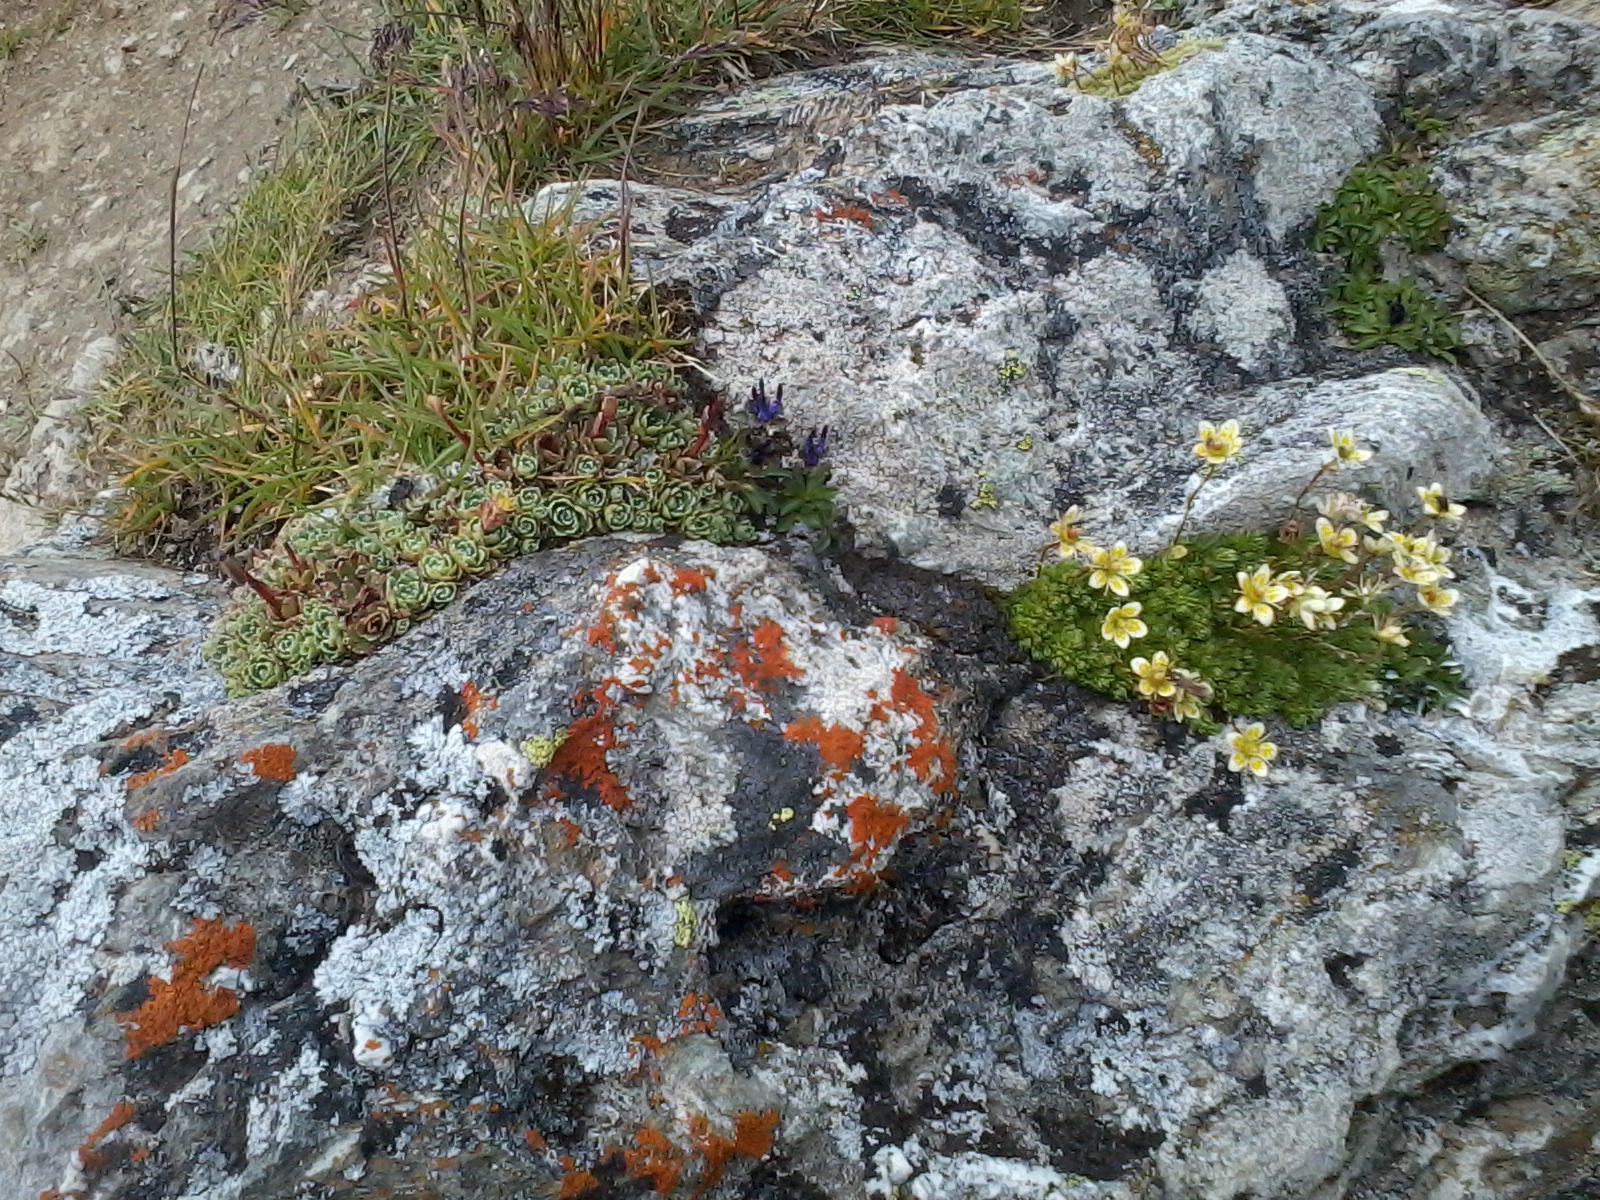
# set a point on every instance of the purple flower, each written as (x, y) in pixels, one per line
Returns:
(816, 447)
(763, 409)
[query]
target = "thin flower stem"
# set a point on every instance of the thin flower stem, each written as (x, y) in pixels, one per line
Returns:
(1311, 483)
(1206, 475)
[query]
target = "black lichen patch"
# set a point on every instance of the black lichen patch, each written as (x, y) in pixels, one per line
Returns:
(1217, 801)
(15, 717)
(1323, 876)
(1577, 666)
(1080, 1145)
(924, 890)
(552, 1094)
(1033, 740)
(964, 617)
(452, 707)
(952, 501)
(313, 696)
(978, 216)
(1339, 966)
(773, 1181)
(19, 616)
(772, 803)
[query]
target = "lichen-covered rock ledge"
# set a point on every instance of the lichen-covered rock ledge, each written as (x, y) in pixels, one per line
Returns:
(654, 866)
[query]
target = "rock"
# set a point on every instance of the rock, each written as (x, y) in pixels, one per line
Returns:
(989, 296)
(401, 940)
(1524, 199)
(715, 739)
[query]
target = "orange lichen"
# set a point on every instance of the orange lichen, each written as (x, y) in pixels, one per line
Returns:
(761, 659)
(274, 761)
(582, 758)
(930, 758)
(687, 579)
(885, 624)
(875, 823)
(186, 1003)
(535, 1141)
(146, 821)
(654, 1158)
(577, 1183)
(698, 1014)
(845, 212)
(94, 1160)
(839, 745)
(604, 631)
(752, 1139)
(570, 829)
(476, 702)
(169, 764)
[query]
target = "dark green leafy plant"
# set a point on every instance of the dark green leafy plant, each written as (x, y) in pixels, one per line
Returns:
(1250, 670)
(792, 496)
(1388, 198)
(1372, 310)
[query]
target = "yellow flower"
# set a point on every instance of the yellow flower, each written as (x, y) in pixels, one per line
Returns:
(1436, 505)
(1389, 630)
(1153, 675)
(1342, 506)
(1191, 694)
(1316, 608)
(1185, 707)
(1290, 581)
(1346, 449)
(1251, 750)
(1069, 538)
(1431, 552)
(1218, 443)
(1113, 568)
(1368, 587)
(1122, 625)
(1337, 543)
(1259, 594)
(1438, 599)
(1413, 569)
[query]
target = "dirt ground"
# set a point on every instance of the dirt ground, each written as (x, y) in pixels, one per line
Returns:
(92, 100)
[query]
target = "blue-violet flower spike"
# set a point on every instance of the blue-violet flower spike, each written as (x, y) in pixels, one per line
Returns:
(763, 409)
(816, 447)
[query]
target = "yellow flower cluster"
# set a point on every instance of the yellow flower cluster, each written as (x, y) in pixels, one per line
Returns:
(1111, 569)
(1352, 534)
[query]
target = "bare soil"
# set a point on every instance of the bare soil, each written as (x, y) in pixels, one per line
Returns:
(92, 102)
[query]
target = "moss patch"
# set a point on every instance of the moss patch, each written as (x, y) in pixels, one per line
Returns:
(1254, 670)
(1387, 199)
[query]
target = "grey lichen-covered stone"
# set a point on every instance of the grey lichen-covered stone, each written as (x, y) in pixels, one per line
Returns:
(496, 852)
(988, 296)
(1525, 205)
